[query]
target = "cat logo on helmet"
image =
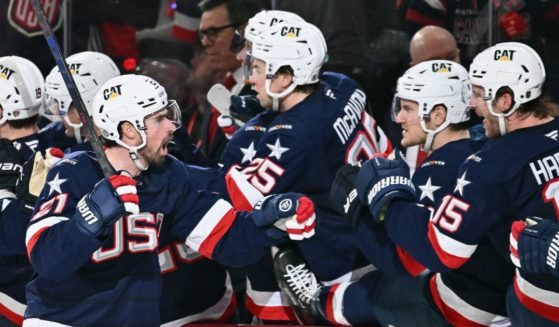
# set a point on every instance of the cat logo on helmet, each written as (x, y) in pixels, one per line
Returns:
(442, 67)
(504, 55)
(290, 31)
(6, 72)
(22, 17)
(112, 92)
(74, 68)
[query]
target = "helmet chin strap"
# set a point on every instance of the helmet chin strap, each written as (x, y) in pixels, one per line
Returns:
(277, 96)
(426, 146)
(133, 151)
(76, 128)
(501, 116)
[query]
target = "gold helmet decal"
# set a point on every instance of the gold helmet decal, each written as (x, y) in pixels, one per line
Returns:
(112, 92)
(290, 31)
(504, 55)
(6, 72)
(441, 67)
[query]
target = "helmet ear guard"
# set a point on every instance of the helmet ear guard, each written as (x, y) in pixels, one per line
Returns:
(432, 83)
(509, 64)
(21, 96)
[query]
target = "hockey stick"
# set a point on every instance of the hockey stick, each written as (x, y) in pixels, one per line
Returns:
(72, 89)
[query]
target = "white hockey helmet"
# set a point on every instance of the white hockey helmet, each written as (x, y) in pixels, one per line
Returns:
(131, 98)
(511, 64)
(432, 83)
(22, 96)
(265, 19)
(90, 70)
(298, 45)
(261, 22)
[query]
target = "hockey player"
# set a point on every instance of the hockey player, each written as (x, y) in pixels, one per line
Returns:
(93, 241)
(90, 71)
(313, 124)
(184, 272)
(509, 177)
(21, 96)
(431, 105)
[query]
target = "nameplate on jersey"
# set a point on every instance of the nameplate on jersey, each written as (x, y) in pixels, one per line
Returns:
(345, 125)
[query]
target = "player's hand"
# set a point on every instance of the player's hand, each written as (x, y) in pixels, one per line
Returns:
(227, 125)
(11, 162)
(245, 107)
(534, 245)
(290, 213)
(381, 181)
(33, 176)
(343, 194)
(111, 198)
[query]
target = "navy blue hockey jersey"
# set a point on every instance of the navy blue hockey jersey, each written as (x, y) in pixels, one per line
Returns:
(15, 269)
(83, 281)
(511, 177)
(300, 150)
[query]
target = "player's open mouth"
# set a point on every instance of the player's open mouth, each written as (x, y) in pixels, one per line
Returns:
(165, 145)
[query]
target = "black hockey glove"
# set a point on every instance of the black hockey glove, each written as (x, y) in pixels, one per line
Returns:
(343, 194)
(11, 164)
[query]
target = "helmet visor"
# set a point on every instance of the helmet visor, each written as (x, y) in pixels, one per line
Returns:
(396, 107)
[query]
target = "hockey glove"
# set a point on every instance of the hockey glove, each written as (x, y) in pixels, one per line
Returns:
(111, 198)
(343, 194)
(32, 178)
(227, 125)
(290, 213)
(534, 245)
(11, 162)
(381, 181)
(245, 107)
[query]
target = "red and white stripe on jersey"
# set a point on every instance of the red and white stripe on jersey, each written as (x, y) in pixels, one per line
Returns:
(211, 228)
(351, 276)
(451, 252)
(381, 143)
(413, 267)
(334, 304)
(268, 305)
(12, 309)
(219, 312)
(242, 193)
(35, 230)
(543, 302)
(457, 311)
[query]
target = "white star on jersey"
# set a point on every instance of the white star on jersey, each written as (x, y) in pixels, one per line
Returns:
(248, 153)
(55, 184)
(427, 190)
(461, 183)
(276, 149)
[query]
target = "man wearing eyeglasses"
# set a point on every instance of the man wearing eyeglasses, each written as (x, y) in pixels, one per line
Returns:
(220, 19)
